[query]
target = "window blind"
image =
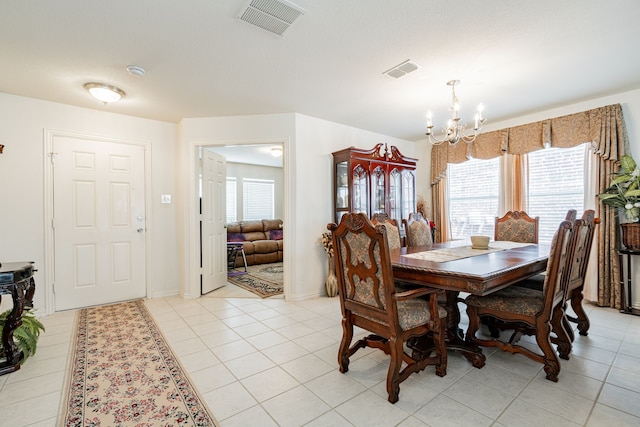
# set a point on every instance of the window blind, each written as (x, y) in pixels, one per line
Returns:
(258, 199)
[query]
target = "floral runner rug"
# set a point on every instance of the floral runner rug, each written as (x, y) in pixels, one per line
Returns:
(264, 280)
(452, 254)
(123, 373)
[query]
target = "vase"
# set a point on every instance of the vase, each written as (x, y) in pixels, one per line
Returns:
(331, 283)
(631, 235)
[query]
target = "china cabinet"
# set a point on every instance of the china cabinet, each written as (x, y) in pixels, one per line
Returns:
(374, 181)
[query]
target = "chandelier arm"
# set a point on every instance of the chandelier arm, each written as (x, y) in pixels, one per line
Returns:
(435, 141)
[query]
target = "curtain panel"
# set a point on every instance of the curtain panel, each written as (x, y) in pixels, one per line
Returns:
(603, 127)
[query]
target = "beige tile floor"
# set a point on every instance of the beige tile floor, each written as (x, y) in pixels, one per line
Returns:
(268, 362)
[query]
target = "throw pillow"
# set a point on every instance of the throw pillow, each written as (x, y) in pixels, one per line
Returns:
(275, 234)
(235, 237)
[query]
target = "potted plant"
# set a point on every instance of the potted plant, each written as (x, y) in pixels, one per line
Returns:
(26, 335)
(624, 194)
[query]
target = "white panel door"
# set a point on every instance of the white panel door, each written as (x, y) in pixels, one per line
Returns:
(99, 222)
(214, 219)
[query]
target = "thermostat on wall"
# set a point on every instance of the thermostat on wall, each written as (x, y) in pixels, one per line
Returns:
(165, 198)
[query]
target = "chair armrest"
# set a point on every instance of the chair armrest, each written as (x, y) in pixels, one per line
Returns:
(415, 293)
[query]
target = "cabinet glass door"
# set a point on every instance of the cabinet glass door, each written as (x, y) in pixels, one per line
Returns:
(342, 185)
(408, 194)
(360, 190)
(395, 195)
(378, 196)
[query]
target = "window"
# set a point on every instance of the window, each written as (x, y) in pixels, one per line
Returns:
(556, 184)
(258, 199)
(232, 212)
(474, 188)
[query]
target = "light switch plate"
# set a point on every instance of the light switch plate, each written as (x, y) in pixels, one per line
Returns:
(165, 198)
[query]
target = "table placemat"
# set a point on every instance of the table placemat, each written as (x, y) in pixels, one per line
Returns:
(452, 254)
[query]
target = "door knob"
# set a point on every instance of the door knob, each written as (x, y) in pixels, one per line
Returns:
(140, 230)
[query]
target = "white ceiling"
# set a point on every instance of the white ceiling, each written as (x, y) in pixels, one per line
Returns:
(516, 57)
(258, 154)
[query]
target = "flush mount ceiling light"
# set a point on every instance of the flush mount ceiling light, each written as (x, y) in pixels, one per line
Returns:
(276, 151)
(104, 92)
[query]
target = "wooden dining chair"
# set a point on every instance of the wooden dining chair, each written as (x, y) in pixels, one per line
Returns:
(393, 231)
(531, 311)
(584, 242)
(579, 272)
(516, 226)
(369, 300)
(418, 230)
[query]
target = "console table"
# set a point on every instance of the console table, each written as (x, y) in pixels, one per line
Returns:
(627, 301)
(16, 278)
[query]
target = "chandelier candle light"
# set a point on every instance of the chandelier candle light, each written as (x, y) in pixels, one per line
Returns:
(454, 131)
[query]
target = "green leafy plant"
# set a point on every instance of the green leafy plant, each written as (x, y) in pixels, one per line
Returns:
(25, 335)
(624, 191)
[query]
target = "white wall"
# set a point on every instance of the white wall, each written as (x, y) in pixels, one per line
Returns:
(22, 188)
(242, 171)
(308, 144)
(315, 141)
(212, 131)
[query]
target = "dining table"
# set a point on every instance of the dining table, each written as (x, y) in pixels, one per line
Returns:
(456, 268)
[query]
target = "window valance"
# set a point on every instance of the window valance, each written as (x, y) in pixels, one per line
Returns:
(603, 127)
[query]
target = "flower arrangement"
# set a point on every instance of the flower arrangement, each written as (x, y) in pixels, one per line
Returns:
(327, 243)
(421, 206)
(624, 191)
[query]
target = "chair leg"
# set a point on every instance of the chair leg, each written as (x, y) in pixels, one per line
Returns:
(491, 323)
(576, 304)
(558, 322)
(393, 376)
(441, 349)
(567, 325)
(474, 325)
(551, 362)
(343, 352)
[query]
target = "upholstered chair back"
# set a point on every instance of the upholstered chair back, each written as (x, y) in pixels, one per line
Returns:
(517, 226)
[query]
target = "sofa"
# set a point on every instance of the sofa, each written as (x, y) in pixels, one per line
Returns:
(261, 240)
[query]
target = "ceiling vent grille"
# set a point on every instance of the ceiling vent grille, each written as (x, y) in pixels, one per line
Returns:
(402, 69)
(274, 16)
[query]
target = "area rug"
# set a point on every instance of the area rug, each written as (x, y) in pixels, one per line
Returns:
(123, 373)
(264, 280)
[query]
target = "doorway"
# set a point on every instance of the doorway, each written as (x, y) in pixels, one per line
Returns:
(246, 164)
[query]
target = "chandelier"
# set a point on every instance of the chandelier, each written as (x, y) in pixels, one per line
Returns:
(454, 131)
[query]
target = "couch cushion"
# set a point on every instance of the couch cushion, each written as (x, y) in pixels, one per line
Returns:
(248, 248)
(265, 246)
(266, 258)
(250, 226)
(275, 234)
(255, 235)
(233, 227)
(272, 224)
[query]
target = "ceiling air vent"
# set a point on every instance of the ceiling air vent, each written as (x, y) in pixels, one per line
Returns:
(402, 69)
(274, 16)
